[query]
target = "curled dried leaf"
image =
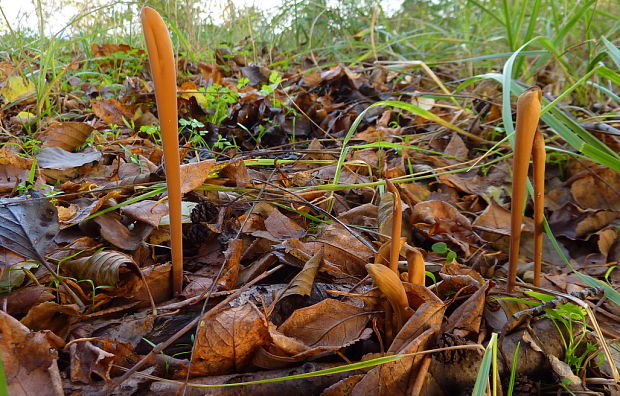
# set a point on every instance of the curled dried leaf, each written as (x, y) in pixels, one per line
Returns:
(104, 268)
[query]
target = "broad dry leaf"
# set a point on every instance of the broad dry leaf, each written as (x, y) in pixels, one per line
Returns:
(194, 174)
(229, 276)
(58, 159)
(27, 226)
(467, 318)
(88, 359)
(283, 228)
(606, 183)
(327, 325)
(442, 222)
(227, 341)
(22, 299)
(147, 211)
(52, 316)
(118, 234)
(66, 135)
(30, 359)
(112, 111)
(394, 378)
(17, 88)
(428, 315)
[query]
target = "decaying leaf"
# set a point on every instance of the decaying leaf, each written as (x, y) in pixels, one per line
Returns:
(27, 225)
(30, 359)
(302, 283)
(326, 326)
(66, 135)
(226, 342)
(112, 111)
(59, 159)
(105, 268)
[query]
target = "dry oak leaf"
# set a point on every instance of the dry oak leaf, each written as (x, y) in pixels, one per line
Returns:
(30, 359)
(66, 135)
(227, 342)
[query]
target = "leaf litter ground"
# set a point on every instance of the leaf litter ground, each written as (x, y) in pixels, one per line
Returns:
(277, 255)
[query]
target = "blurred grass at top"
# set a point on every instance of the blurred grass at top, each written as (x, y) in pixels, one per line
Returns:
(346, 30)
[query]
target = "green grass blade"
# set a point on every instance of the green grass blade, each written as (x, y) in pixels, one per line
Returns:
(4, 386)
(513, 370)
(333, 370)
(613, 51)
(392, 103)
(482, 378)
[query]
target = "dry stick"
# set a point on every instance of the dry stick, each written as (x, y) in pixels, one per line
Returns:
(539, 202)
(420, 377)
(397, 223)
(528, 113)
(160, 347)
(163, 71)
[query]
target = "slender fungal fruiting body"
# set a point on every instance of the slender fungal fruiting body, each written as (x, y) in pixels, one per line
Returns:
(540, 156)
(528, 115)
(163, 72)
(392, 288)
(416, 270)
(397, 224)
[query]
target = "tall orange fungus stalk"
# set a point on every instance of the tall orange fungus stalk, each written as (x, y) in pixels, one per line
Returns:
(163, 71)
(528, 140)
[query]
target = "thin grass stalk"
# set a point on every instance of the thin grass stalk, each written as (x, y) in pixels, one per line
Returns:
(538, 152)
(528, 113)
(163, 71)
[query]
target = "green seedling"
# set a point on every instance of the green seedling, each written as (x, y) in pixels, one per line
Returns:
(442, 248)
